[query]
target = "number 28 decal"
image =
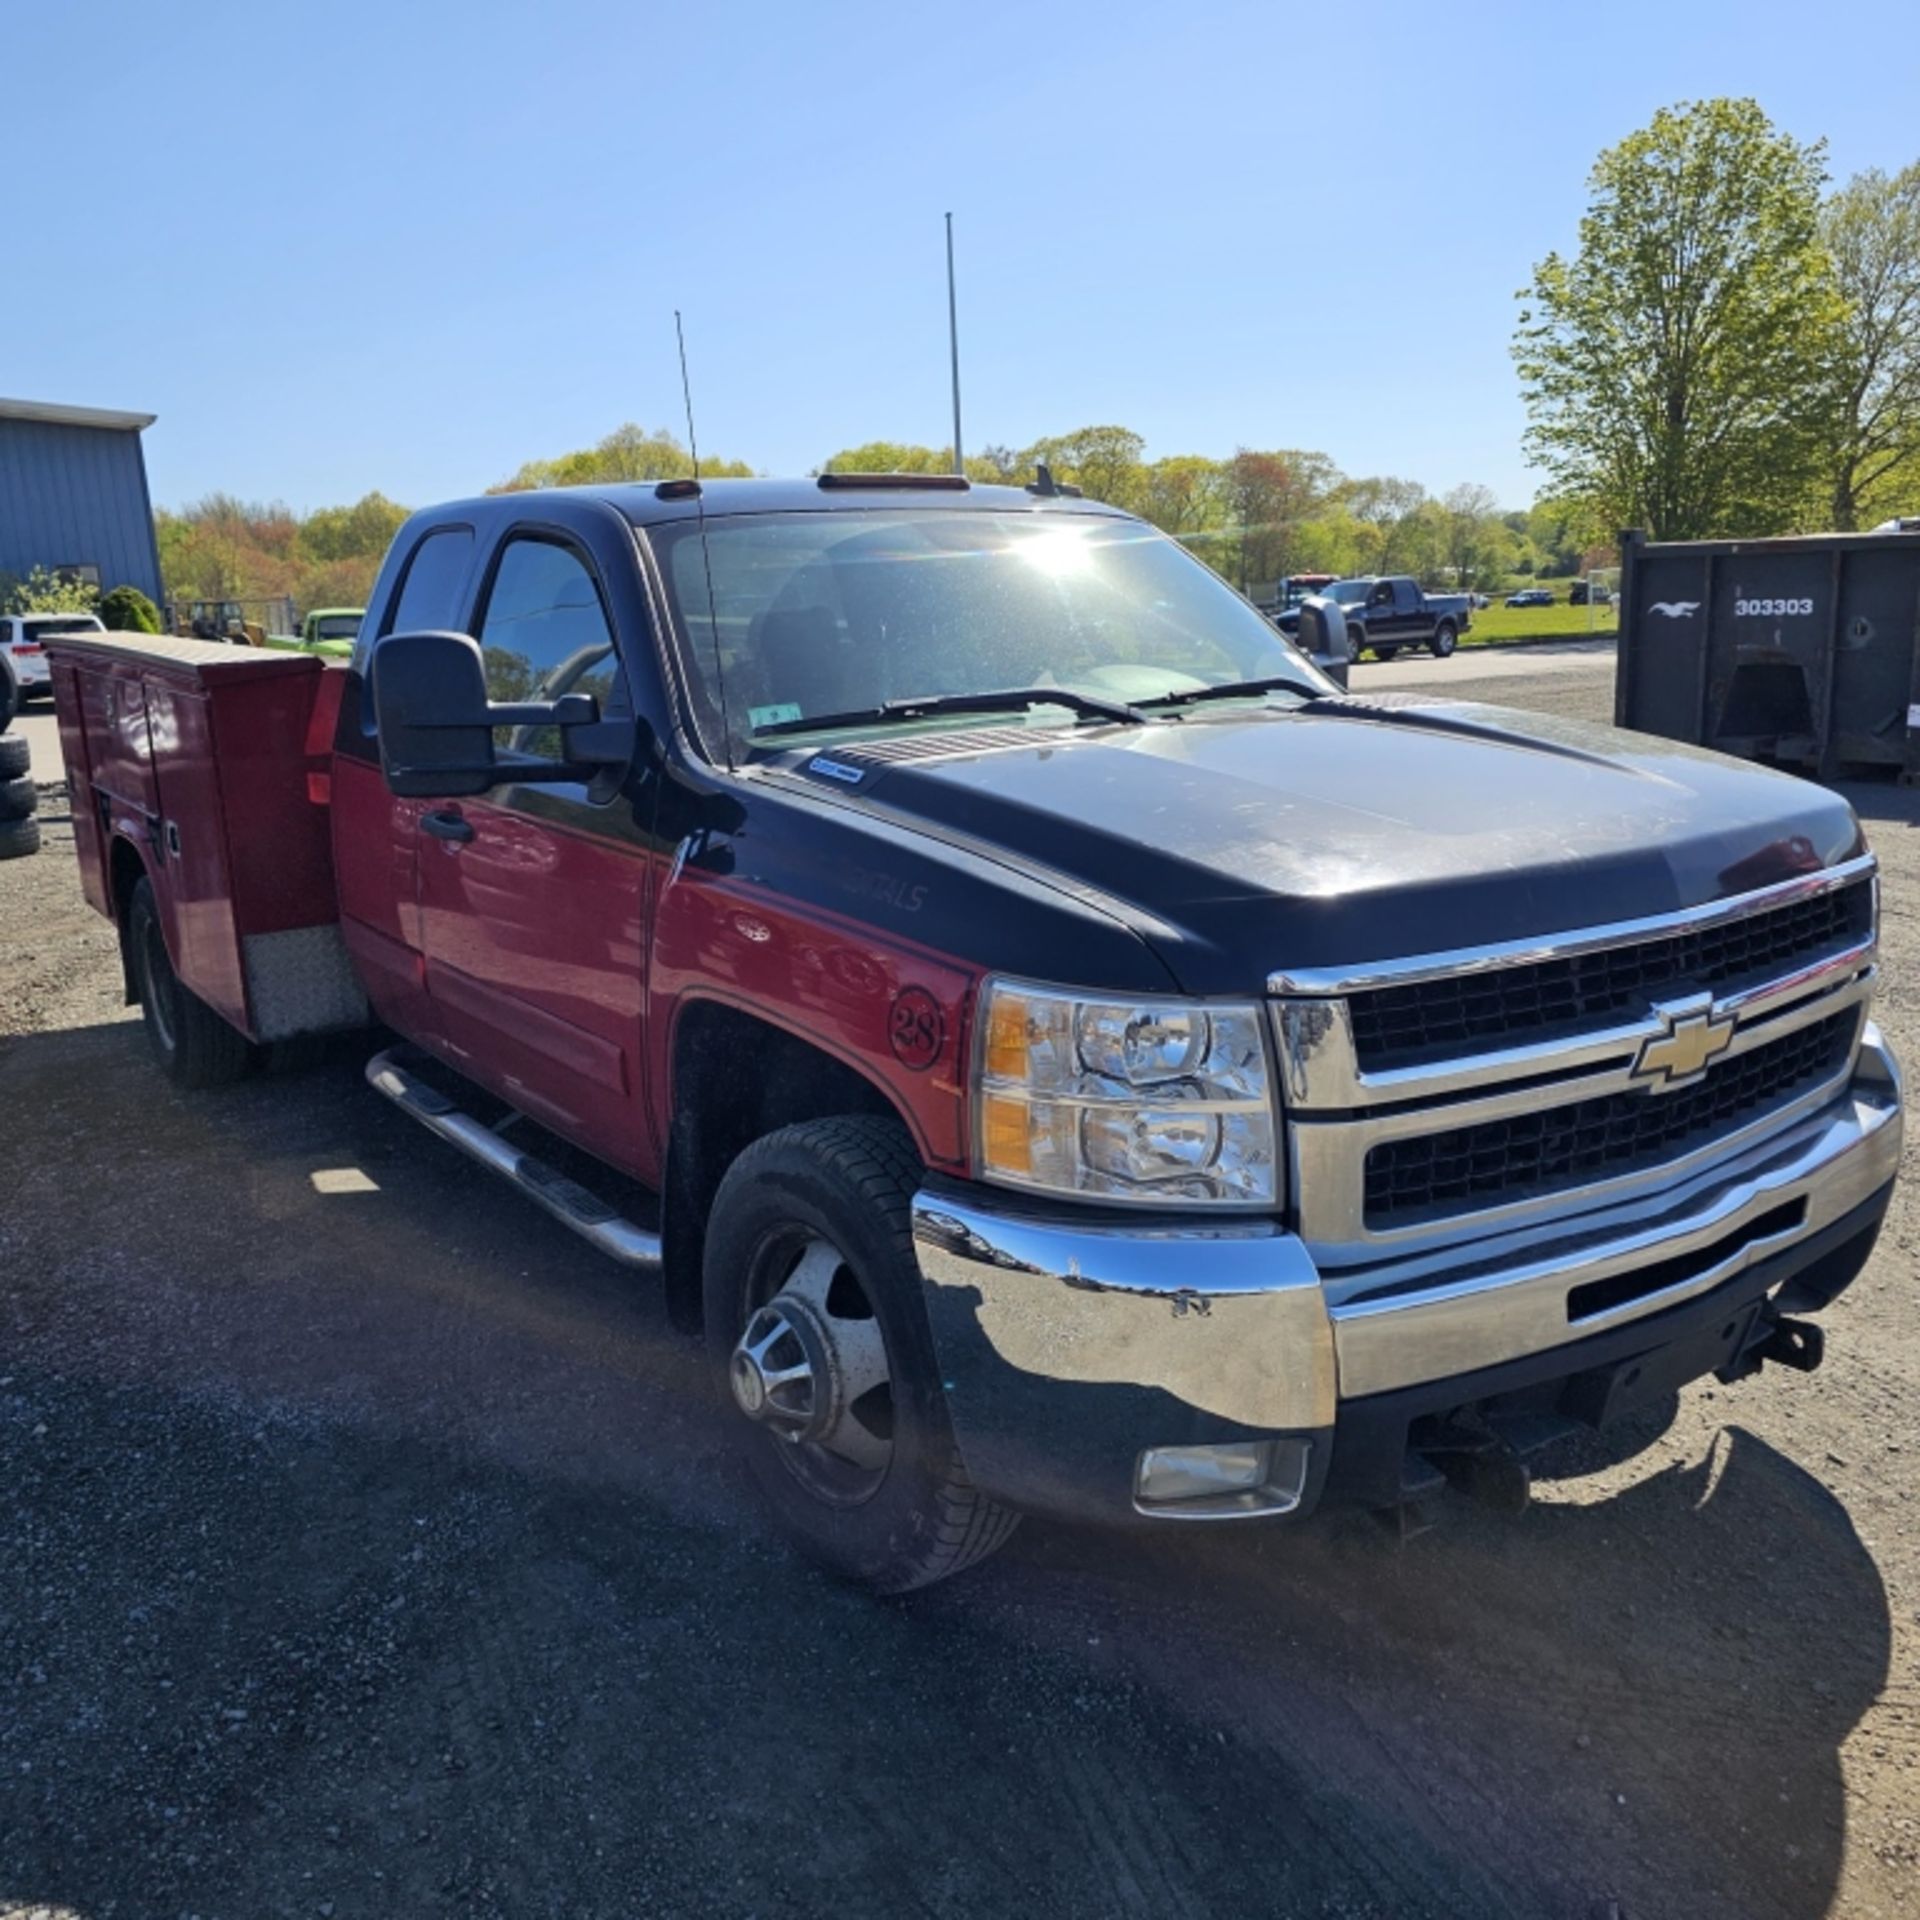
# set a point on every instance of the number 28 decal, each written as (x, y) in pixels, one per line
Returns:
(1767, 609)
(915, 1028)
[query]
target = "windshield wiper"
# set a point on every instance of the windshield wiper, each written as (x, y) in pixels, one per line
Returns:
(1088, 706)
(1228, 690)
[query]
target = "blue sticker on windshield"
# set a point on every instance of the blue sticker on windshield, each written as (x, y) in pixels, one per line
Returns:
(836, 770)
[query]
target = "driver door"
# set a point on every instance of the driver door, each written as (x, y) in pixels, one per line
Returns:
(533, 899)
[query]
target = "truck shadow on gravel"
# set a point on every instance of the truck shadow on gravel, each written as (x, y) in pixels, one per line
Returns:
(377, 1551)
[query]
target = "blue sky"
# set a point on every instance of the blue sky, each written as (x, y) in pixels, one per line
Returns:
(409, 245)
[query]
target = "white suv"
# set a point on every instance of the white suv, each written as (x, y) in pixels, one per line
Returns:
(23, 656)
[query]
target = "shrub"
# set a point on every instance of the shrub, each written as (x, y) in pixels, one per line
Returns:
(45, 592)
(128, 610)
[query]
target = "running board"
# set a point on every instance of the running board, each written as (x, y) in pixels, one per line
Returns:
(569, 1202)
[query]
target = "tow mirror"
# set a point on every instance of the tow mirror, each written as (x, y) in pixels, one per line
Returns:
(1324, 638)
(435, 723)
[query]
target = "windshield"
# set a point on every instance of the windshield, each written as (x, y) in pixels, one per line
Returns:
(1349, 593)
(341, 626)
(80, 623)
(837, 612)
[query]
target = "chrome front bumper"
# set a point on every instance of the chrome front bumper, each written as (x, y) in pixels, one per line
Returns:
(1068, 1345)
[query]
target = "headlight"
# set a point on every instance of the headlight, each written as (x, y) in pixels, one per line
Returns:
(1154, 1101)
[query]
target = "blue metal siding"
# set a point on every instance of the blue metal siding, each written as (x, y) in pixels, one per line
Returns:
(76, 496)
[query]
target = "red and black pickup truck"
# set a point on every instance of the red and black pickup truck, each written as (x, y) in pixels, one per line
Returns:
(1047, 1036)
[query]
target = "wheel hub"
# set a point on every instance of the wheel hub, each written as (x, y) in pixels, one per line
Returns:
(811, 1365)
(781, 1372)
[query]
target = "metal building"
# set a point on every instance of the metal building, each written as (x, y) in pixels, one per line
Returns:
(73, 495)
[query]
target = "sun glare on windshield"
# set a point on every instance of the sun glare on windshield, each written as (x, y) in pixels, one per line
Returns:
(1057, 553)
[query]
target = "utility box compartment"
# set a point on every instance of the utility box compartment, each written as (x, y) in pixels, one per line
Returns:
(1801, 650)
(207, 765)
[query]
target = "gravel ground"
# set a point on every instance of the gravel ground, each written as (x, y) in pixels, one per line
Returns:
(372, 1549)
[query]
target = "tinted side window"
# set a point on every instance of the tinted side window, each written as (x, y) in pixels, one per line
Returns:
(545, 634)
(430, 598)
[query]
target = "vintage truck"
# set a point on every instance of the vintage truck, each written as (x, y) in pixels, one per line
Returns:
(327, 631)
(1045, 1036)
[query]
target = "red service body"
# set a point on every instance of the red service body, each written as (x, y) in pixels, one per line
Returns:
(198, 767)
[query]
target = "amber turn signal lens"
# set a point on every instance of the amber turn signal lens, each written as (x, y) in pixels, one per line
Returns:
(1007, 1037)
(1004, 1137)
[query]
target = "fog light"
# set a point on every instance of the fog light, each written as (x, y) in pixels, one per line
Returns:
(1236, 1478)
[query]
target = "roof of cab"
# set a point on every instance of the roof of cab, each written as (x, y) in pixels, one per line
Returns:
(641, 502)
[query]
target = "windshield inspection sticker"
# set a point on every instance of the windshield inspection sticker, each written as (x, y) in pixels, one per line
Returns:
(773, 715)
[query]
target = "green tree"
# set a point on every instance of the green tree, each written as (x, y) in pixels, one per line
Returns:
(1331, 541)
(1471, 534)
(128, 610)
(362, 531)
(890, 456)
(44, 592)
(627, 453)
(1184, 494)
(1871, 230)
(1105, 463)
(1387, 508)
(902, 456)
(1676, 369)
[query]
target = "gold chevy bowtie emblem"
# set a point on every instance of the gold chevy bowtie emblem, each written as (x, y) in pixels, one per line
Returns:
(1692, 1035)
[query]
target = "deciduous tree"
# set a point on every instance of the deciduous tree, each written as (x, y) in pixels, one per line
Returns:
(1105, 463)
(1184, 494)
(45, 592)
(1871, 229)
(1676, 368)
(627, 453)
(1387, 506)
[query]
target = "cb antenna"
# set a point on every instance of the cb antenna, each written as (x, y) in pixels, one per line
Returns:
(706, 555)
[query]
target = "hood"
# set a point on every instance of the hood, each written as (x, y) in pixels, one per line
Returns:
(1347, 831)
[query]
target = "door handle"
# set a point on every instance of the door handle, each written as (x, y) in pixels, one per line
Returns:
(446, 826)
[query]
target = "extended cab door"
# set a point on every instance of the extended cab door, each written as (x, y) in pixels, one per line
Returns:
(376, 835)
(534, 900)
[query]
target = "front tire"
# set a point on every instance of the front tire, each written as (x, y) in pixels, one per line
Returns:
(194, 1046)
(1444, 640)
(820, 1344)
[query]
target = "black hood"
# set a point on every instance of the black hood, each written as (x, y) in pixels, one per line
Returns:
(1349, 831)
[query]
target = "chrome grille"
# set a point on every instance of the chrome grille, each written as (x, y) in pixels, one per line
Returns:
(1536, 1152)
(1468, 1012)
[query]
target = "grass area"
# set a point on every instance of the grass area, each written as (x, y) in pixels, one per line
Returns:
(1496, 623)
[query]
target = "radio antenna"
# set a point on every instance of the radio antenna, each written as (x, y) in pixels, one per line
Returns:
(706, 554)
(686, 391)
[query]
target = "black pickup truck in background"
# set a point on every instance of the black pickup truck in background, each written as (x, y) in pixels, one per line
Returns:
(1389, 612)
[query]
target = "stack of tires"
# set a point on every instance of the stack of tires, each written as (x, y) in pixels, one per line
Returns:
(19, 802)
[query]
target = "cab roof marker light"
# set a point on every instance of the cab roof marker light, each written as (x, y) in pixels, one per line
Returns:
(914, 482)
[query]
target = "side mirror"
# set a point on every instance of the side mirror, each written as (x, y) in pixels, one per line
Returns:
(1324, 638)
(435, 723)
